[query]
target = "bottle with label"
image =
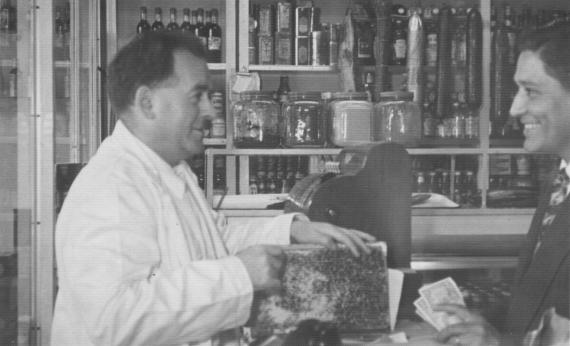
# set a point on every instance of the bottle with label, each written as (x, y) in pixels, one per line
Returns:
(471, 124)
(193, 21)
(399, 35)
(186, 26)
(201, 30)
(142, 26)
(429, 122)
(431, 32)
(459, 41)
(59, 29)
(457, 121)
(369, 86)
(283, 90)
(172, 25)
(157, 24)
(214, 39)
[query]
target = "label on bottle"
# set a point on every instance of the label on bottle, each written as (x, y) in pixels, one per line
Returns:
(431, 50)
(400, 48)
(214, 43)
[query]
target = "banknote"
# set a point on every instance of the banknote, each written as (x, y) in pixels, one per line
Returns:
(442, 292)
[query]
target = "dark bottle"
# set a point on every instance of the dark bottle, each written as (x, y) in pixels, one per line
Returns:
(429, 122)
(399, 35)
(172, 25)
(59, 28)
(186, 26)
(143, 25)
(219, 174)
(157, 24)
(207, 20)
(214, 38)
(283, 90)
(193, 21)
(369, 86)
(5, 16)
(201, 30)
(459, 43)
(511, 34)
(499, 112)
(261, 175)
(431, 32)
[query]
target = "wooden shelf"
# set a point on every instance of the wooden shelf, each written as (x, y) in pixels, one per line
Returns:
(292, 68)
(275, 151)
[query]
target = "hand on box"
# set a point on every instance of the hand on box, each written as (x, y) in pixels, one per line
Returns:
(473, 330)
(265, 265)
(329, 235)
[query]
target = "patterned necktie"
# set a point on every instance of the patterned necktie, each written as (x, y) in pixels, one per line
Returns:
(560, 187)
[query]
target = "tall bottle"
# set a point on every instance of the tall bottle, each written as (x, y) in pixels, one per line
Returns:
(214, 38)
(172, 25)
(59, 28)
(186, 26)
(157, 24)
(399, 35)
(193, 22)
(431, 31)
(201, 31)
(415, 55)
(499, 82)
(143, 25)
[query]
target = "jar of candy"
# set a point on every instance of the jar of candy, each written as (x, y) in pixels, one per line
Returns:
(256, 121)
(303, 120)
(350, 118)
(397, 118)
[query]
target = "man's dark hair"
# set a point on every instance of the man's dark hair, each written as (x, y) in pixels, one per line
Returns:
(147, 60)
(552, 44)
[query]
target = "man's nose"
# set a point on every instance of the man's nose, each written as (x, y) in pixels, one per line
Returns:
(206, 108)
(518, 106)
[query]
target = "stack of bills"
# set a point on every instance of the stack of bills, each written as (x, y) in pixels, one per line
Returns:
(442, 292)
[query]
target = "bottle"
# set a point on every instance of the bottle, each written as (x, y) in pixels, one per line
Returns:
(143, 25)
(511, 34)
(201, 31)
(186, 26)
(13, 80)
(458, 121)
(399, 43)
(431, 31)
(283, 90)
(429, 122)
(214, 38)
(59, 28)
(459, 41)
(172, 25)
(219, 174)
(193, 22)
(157, 24)
(369, 86)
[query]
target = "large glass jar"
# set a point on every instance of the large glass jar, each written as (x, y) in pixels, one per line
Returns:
(350, 118)
(397, 118)
(256, 120)
(303, 120)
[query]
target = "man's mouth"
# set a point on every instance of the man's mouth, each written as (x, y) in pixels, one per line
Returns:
(530, 128)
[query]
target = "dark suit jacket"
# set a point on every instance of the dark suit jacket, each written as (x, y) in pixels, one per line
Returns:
(542, 279)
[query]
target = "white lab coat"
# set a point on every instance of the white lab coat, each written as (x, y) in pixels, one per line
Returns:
(142, 258)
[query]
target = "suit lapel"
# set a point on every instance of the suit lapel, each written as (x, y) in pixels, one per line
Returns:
(542, 268)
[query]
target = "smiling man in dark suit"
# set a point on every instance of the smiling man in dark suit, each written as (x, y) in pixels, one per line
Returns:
(542, 104)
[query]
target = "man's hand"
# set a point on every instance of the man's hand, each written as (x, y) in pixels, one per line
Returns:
(265, 265)
(472, 331)
(330, 235)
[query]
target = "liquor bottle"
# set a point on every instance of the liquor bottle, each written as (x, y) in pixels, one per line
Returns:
(399, 35)
(369, 86)
(429, 122)
(219, 182)
(201, 31)
(193, 23)
(283, 90)
(143, 25)
(214, 39)
(186, 26)
(207, 20)
(59, 28)
(511, 33)
(157, 24)
(459, 41)
(13, 80)
(431, 32)
(172, 25)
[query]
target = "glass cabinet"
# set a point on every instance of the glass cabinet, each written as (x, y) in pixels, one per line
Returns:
(49, 87)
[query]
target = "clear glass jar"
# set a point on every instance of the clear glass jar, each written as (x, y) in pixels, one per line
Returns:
(350, 118)
(397, 118)
(303, 120)
(256, 121)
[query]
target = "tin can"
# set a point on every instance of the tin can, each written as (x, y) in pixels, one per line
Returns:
(266, 20)
(283, 51)
(284, 16)
(265, 50)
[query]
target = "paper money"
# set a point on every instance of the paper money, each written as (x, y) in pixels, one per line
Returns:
(441, 292)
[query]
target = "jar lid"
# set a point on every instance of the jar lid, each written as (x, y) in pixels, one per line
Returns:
(396, 96)
(256, 94)
(310, 95)
(350, 95)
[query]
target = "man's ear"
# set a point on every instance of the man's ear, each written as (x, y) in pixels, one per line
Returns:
(143, 102)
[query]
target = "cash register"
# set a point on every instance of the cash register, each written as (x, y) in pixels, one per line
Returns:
(370, 192)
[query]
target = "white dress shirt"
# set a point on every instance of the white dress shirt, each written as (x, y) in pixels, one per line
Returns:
(144, 260)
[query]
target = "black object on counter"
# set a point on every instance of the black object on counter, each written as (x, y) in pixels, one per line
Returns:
(314, 332)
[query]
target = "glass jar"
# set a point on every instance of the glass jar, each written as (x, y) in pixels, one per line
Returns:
(397, 118)
(303, 121)
(256, 120)
(349, 116)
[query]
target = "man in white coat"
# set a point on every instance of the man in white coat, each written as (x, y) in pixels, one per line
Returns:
(142, 258)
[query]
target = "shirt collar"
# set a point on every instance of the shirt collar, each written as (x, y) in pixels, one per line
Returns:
(154, 163)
